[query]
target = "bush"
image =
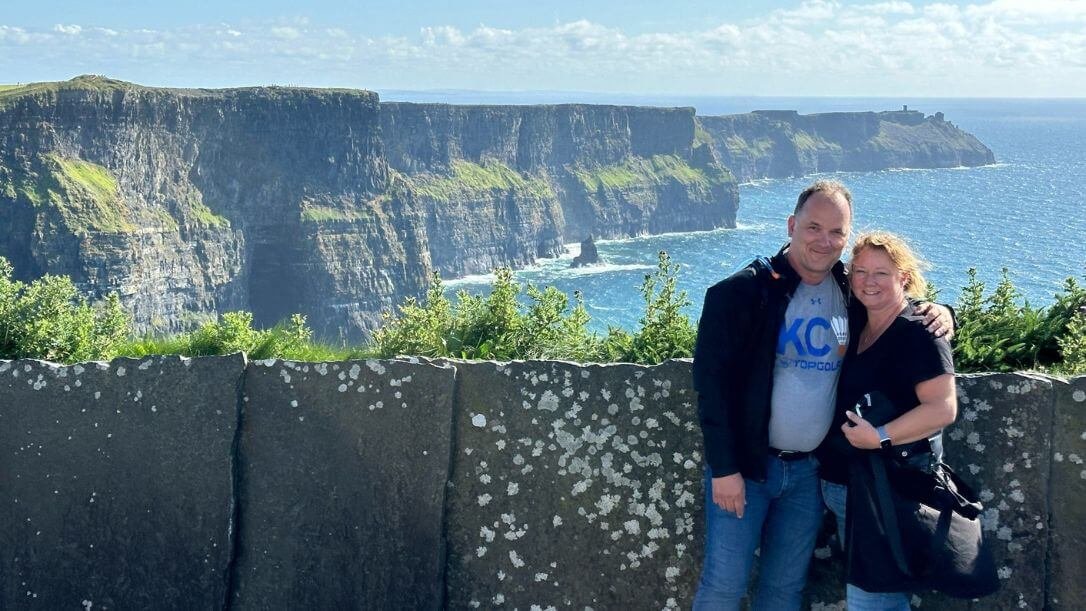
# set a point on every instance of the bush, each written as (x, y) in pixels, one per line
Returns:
(49, 319)
(1002, 332)
(501, 326)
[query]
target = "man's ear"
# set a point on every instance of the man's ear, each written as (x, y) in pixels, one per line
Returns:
(791, 224)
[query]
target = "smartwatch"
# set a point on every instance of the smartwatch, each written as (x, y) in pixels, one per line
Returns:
(884, 437)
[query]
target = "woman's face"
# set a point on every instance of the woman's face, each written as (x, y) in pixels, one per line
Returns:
(876, 281)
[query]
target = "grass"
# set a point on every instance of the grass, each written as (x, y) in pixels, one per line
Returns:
(760, 147)
(205, 217)
(642, 172)
(326, 214)
(806, 142)
(469, 180)
(88, 196)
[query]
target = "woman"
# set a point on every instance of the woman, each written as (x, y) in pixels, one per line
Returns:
(889, 353)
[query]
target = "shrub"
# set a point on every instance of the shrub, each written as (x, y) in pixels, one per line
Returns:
(49, 319)
(1002, 332)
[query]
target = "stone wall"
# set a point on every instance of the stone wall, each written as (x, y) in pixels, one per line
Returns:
(214, 483)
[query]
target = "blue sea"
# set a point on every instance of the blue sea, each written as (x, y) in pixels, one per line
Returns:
(1025, 213)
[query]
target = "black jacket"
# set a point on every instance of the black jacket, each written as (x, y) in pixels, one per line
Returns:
(734, 358)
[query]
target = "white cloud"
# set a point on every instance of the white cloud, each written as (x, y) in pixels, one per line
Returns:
(818, 47)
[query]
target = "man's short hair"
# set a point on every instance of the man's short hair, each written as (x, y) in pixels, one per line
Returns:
(829, 187)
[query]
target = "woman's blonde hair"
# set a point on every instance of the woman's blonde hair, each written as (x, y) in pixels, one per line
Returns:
(901, 255)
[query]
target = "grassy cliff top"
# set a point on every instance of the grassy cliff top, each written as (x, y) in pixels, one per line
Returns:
(102, 84)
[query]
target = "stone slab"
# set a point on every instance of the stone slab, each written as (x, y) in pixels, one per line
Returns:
(575, 486)
(1067, 568)
(115, 483)
(1001, 444)
(342, 485)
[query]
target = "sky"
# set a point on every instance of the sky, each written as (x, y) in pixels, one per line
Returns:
(998, 48)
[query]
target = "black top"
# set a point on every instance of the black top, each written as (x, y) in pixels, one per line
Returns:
(902, 357)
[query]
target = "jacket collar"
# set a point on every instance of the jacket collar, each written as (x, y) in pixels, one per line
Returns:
(785, 271)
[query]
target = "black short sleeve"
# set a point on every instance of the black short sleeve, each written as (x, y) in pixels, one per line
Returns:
(923, 356)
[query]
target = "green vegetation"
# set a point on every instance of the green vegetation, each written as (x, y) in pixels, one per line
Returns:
(1002, 332)
(639, 171)
(47, 319)
(327, 214)
(738, 146)
(205, 217)
(85, 83)
(806, 142)
(234, 332)
(500, 327)
(85, 195)
(469, 180)
(88, 196)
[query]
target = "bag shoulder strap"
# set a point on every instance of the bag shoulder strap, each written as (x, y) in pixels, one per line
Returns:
(889, 513)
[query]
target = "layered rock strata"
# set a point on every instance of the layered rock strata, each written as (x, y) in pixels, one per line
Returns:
(190, 203)
(784, 143)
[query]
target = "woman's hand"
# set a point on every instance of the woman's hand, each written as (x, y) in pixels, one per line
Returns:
(860, 433)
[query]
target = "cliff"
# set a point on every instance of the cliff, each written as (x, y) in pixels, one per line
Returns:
(779, 144)
(327, 202)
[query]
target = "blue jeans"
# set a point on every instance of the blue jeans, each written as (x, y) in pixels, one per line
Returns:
(836, 497)
(782, 515)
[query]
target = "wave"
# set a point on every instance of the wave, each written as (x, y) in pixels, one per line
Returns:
(603, 268)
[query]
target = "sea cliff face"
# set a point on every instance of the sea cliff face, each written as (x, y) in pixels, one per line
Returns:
(779, 144)
(190, 203)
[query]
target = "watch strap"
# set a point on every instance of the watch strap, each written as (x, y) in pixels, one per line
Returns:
(884, 437)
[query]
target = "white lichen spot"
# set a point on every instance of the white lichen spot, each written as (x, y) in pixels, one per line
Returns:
(607, 503)
(1058, 457)
(1008, 467)
(294, 403)
(1079, 396)
(974, 469)
(342, 388)
(120, 372)
(632, 527)
(512, 489)
(375, 367)
(484, 478)
(671, 573)
(1017, 495)
(1075, 458)
(283, 373)
(484, 499)
(540, 577)
(548, 402)
(498, 598)
(480, 551)
(486, 534)
(556, 521)
(515, 559)
(1004, 533)
(1004, 572)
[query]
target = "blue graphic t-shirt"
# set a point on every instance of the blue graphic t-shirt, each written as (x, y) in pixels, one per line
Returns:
(810, 346)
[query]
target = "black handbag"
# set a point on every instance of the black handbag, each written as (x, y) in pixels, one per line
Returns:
(910, 529)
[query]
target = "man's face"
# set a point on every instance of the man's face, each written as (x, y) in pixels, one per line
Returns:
(819, 233)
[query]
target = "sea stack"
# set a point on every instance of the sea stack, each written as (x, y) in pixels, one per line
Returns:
(589, 255)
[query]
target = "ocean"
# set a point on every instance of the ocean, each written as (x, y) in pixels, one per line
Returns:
(1025, 213)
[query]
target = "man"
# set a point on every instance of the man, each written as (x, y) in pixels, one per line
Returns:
(768, 353)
